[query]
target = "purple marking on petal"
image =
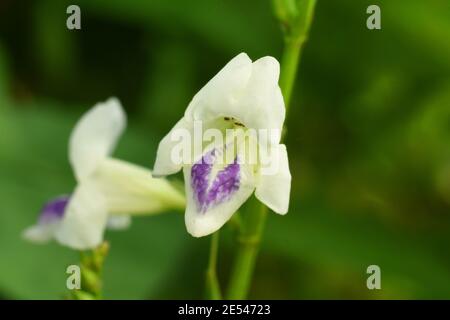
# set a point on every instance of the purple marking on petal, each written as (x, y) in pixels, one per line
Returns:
(53, 210)
(211, 191)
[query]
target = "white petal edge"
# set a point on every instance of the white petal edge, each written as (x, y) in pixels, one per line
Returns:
(200, 224)
(95, 136)
(262, 104)
(40, 233)
(85, 218)
(246, 91)
(219, 96)
(168, 160)
(274, 189)
(118, 222)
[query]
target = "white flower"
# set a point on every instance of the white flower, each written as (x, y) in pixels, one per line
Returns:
(108, 189)
(243, 97)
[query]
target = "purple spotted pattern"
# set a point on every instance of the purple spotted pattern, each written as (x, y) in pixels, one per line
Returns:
(210, 191)
(53, 210)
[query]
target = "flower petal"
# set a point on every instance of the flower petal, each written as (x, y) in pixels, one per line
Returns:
(49, 219)
(131, 189)
(54, 210)
(246, 91)
(219, 96)
(213, 196)
(85, 219)
(274, 185)
(118, 222)
(95, 135)
(262, 104)
(40, 233)
(167, 160)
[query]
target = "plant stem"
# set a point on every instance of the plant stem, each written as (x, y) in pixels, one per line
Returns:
(296, 34)
(212, 283)
(289, 66)
(249, 240)
(91, 266)
(244, 264)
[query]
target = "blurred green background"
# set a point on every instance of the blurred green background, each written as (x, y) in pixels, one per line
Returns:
(368, 140)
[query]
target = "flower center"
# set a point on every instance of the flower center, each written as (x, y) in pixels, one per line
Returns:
(234, 122)
(212, 182)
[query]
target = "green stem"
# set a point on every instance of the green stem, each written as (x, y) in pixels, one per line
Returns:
(289, 66)
(253, 227)
(244, 263)
(91, 266)
(212, 283)
(296, 34)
